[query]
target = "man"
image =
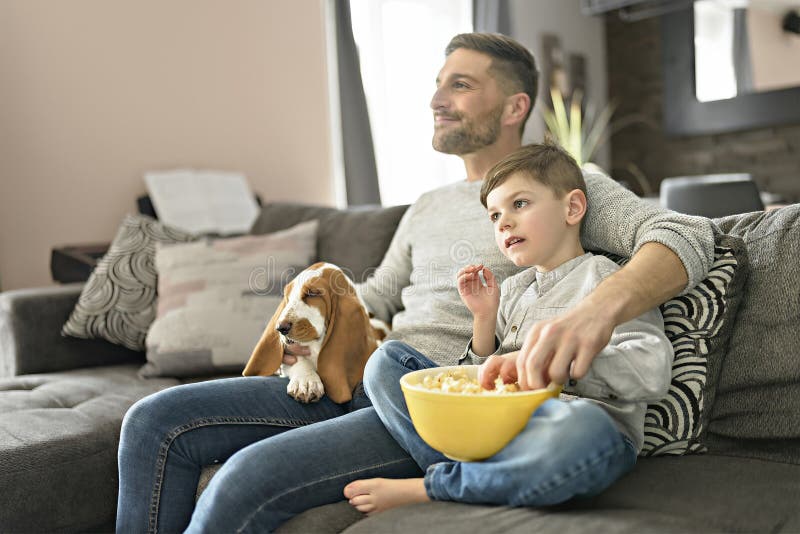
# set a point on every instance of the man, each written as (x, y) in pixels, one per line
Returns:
(485, 93)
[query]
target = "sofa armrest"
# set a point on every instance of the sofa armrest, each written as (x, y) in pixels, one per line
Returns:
(31, 340)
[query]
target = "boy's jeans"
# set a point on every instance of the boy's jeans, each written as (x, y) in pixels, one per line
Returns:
(281, 456)
(568, 449)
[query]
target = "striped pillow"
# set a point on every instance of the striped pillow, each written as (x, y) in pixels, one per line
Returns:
(699, 325)
(118, 301)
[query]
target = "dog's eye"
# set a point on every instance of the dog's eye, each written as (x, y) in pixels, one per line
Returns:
(312, 293)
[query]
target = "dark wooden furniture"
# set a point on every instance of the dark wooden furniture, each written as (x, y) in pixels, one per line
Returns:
(74, 263)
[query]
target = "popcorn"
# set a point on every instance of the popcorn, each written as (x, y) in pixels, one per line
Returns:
(459, 382)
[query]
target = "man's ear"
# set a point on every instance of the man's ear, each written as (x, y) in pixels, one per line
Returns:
(576, 206)
(516, 108)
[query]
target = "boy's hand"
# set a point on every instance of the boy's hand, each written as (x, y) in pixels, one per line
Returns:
(504, 366)
(482, 301)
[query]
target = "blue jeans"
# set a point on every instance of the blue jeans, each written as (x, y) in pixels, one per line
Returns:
(568, 449)
(281, 457)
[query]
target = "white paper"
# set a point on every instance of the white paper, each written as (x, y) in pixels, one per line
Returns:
(203, 202)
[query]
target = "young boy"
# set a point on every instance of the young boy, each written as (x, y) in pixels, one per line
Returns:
(576, 445)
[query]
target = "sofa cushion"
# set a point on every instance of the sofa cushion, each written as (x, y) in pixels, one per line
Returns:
(757, 411)
(701, 493)
(355, 239)
(58, 446)
(118, 301)
(698, 324)
(216, 295)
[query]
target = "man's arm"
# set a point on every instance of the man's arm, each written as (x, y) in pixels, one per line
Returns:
(671, 253)
(620, 222)
(381, 292)
(564, 347)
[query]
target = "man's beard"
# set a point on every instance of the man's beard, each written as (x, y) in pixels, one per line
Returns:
(471, 135)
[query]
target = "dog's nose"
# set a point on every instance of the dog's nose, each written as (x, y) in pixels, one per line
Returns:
(284, 327)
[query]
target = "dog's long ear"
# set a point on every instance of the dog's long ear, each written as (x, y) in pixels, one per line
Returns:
(268, 354)
(348, 341)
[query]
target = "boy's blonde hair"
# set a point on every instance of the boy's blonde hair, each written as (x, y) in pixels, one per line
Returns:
(546, 163)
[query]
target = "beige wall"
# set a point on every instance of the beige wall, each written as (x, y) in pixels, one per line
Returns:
(93, 93)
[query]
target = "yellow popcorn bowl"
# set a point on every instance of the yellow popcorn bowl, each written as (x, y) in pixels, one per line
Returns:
(468, 427)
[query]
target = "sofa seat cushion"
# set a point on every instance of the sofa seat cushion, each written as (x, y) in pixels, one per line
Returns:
(697, 493)
(58, 446)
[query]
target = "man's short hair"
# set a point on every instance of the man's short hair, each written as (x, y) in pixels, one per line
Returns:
(513, 66)
(547, 163)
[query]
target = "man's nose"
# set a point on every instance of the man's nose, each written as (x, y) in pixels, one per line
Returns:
(284, 327)
(438, 101)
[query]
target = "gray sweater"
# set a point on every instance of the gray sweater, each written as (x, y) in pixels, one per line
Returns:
(414, 288)
(632, 370)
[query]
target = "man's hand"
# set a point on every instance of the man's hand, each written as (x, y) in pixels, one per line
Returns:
(291, 352)
(561, 348)
(482, 301)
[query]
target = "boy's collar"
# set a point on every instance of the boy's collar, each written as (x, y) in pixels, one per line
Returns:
(546, 280)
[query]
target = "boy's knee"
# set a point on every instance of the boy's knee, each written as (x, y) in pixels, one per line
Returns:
(393, 347)
(586, 414)
(585, 422)
(376, 364)
(384, 362)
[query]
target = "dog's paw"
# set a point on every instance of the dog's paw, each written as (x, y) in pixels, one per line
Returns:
(306, 389)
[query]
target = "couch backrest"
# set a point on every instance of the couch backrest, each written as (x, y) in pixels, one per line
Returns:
(757, 407)
(355, 239)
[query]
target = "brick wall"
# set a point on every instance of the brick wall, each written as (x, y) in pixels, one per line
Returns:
(641, 148)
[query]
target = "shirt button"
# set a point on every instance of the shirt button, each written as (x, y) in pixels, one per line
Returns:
(514, 328)
(612, 396)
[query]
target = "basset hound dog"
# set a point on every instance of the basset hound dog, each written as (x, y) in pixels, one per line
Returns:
(320, 310)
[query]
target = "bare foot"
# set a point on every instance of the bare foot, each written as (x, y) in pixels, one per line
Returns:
(375, 495)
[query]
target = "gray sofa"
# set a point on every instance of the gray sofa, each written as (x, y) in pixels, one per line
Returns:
(62, 401)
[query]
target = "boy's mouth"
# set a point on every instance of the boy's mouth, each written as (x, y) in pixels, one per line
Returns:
(513, 240)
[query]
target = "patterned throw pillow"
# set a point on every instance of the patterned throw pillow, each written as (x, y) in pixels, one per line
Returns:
(698, 324)
(118, 301)
(216, 296)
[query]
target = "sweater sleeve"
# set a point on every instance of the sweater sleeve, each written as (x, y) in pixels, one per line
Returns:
(381, 292)
(618, 221)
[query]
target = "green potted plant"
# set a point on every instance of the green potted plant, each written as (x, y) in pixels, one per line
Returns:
(580, 136)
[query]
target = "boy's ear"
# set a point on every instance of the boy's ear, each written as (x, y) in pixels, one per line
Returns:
(576, 206)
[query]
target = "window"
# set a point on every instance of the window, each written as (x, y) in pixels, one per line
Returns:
(401, 49)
